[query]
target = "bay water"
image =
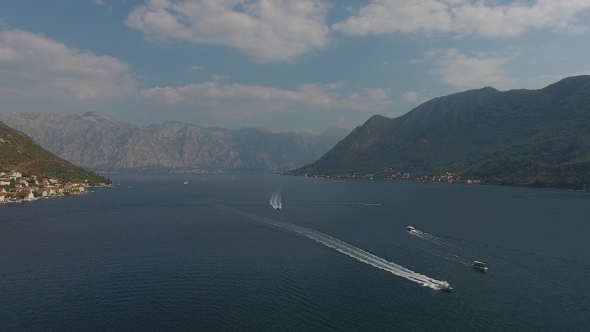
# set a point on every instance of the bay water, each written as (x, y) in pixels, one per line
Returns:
(154, 254)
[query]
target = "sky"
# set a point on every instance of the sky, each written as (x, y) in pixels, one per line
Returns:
(288, 65)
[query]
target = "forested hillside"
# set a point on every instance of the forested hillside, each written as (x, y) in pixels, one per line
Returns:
(535, 137)
(19, 152)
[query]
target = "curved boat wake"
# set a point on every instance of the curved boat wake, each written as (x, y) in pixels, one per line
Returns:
(275, 200)
(352, 251)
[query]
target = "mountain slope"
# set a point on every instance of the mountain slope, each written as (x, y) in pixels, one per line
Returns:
(98, 142)
(19, 152)
(518, 135)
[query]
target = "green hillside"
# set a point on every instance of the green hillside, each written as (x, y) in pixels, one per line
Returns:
(536, 137)
(19, 152)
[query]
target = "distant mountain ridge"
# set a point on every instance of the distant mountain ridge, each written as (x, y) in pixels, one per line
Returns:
(96, 141)
(20, 153)
(539, 137)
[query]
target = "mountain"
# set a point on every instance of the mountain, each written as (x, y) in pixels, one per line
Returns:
(20, 153)
(98, 142)
(539, 137)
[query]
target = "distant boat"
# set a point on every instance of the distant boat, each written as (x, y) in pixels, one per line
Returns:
(480, 266)
(185, 182)
(410, 229)
(446, 287)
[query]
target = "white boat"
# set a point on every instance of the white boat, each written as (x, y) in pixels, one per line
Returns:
(480, 265)
(185, 182)
(410, 229)
(446, 287)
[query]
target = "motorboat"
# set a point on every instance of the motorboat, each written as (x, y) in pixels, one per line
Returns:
(480, 265)
(185, 182)
(410, 229)
(446, 287)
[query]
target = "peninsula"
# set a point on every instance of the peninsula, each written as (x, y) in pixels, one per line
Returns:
(28, 172)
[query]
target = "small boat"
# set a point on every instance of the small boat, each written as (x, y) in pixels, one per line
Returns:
(410, 229)
(185, 182)
(480, 265)
(446, 287)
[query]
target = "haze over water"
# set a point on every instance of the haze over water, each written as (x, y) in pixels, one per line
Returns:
(154, 254)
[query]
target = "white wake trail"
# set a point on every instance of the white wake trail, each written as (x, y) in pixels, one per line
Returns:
(351, 251)
(443, 243)
(275, 199)
(431, 238)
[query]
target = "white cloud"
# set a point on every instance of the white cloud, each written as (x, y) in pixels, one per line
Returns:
(463, 17)
(461, 70)
(374, 94)
(265, 30)
(411, 95)
(193, 69)
(33, 65)
(217, 78)
(104, 4)
(237, 100)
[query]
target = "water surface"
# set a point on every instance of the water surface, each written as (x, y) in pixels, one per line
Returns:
(153, 254)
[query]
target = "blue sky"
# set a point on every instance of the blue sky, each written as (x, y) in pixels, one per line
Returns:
(302, 65)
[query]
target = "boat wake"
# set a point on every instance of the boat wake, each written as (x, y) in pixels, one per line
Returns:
(352, 251)
(341, 203)
(275, 200)
(448, 256)
(443, 243)
(431, 238)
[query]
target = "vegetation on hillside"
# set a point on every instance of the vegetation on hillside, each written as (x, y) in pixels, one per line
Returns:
(519, 137)
(19, 152)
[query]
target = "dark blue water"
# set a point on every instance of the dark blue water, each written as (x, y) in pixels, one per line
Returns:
(154, 254)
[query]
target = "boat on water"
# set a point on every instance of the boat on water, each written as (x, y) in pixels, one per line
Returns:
(410, 229)
(185, 182)
(446, 287)
(480, 266)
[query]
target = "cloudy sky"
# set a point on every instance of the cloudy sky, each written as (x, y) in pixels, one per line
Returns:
(283, 64)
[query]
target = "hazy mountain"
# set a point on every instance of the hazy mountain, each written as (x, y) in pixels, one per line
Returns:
(96, 141)
(20, 153)
(518, 136)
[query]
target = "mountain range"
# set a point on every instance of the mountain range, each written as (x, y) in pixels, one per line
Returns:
(98, 142)
(535, 137)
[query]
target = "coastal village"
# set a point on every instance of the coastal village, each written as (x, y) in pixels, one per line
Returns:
(447, 177)
(14, 187)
